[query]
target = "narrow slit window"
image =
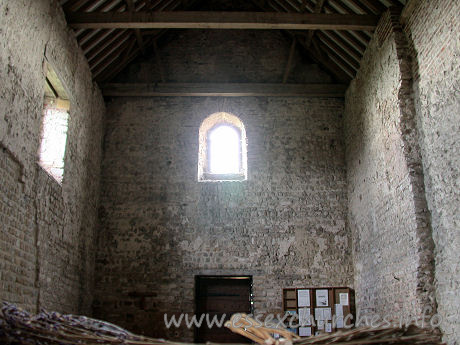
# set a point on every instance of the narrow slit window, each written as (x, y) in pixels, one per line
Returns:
(54, 127)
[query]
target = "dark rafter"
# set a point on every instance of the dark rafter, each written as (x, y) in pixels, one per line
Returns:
(318, 8)
(139, 39)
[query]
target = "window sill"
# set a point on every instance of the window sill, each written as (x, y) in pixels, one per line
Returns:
(207, 177)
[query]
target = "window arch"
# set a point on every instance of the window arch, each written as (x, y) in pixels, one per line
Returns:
(222, 154)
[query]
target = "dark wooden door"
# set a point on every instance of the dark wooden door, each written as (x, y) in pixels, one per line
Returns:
(219, 295)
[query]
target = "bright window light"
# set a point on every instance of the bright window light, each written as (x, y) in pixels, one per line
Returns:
(54, 137)
(224, 150)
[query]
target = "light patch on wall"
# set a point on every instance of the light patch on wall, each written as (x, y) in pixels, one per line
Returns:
(285, 244)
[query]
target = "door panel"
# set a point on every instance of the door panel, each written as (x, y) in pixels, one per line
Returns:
(217, 296)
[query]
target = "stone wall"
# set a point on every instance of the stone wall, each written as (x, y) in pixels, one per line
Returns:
(285, 225)
(47, 230)
(401, 133)
(224, 56)
(432, 28)
(392, 244)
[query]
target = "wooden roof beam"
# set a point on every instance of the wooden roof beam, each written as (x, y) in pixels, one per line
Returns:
(222, 20)
(374, 5)
(100, 6)
(316, 54)
(339, 51)
(343, 44)
(329, 9)
(109, 58)
(74, 5)
(323, 60)
(114, 38)
(290, 6)
(352, 41)
(169, 5)
(340, 63)
(225, 90)
(281, 7)
(110, 50)
(101, 35)
(137, 32)
(303, 8)
(318, 8)
(126, 59)
(347, 65)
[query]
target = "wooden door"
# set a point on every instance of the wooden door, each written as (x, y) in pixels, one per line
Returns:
(219, 295)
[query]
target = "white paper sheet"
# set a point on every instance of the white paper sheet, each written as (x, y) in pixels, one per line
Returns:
(304, 316)
(328, 327)
(343, 297)
(327, 314)
(320, 324)
(303, 298)
(322, 298)
(338, 310)
(319, 314)
(304, 331)
(339, 322)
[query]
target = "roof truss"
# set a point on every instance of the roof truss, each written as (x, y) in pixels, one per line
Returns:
(333, 33)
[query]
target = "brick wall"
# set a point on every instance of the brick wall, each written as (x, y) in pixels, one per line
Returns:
(393, 248)
(285, 226)
(47, 230)
(432, 28)
(401, 133)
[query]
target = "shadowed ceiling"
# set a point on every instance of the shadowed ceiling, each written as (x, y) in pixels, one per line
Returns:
(110, 44)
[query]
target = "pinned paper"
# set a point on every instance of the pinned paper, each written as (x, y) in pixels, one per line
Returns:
(303, 298)
(338, 310)
(339, 322)
(319, 314)
(328, 327)
(343, 297)
(304, 316)
(305, 331)
(320, 324)
(322, 298)
(327, 314)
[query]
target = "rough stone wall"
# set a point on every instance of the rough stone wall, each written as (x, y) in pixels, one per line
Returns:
(285, 225)
(388, 217)
(47, 231)
(432, 28)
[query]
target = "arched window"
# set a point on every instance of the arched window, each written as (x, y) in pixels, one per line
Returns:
(222, 152)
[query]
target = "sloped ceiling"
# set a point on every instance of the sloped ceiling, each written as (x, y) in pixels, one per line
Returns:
(109, 49)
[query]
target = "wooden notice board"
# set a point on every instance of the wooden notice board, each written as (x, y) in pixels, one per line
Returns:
(318, 310)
